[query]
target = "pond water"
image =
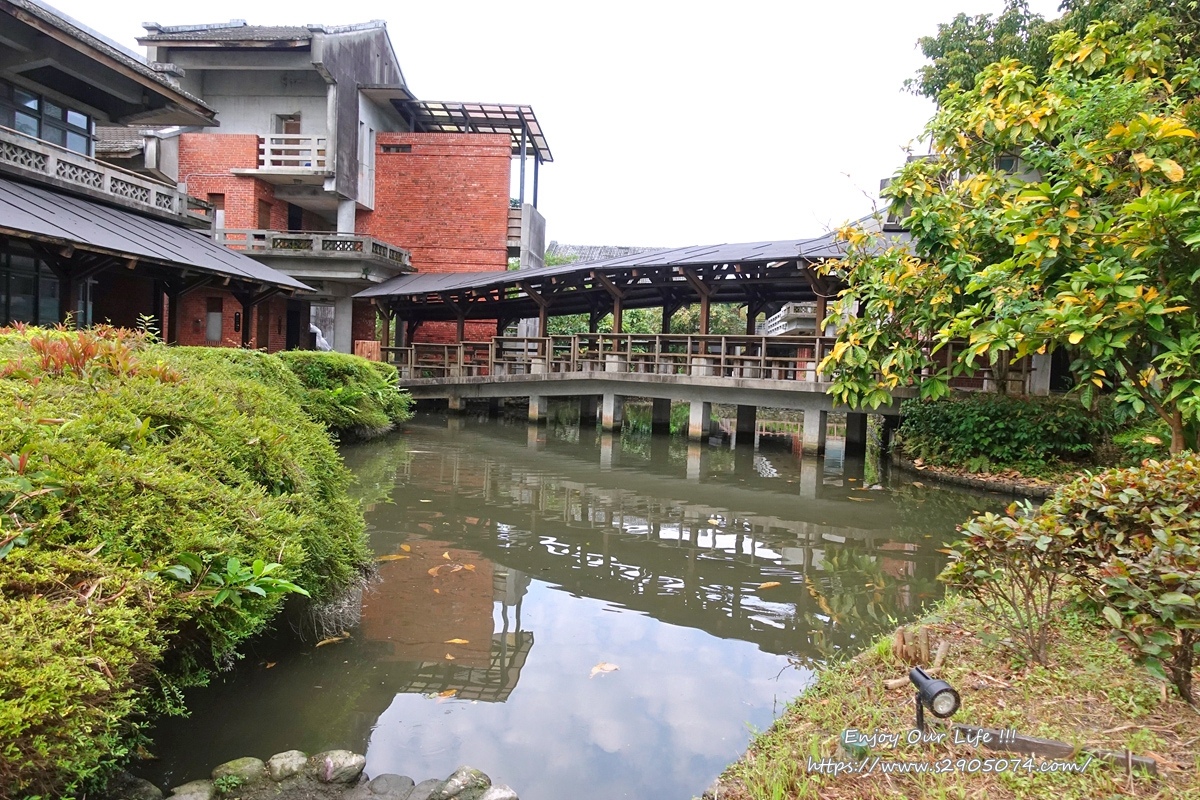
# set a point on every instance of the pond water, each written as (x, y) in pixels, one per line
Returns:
(581, 615)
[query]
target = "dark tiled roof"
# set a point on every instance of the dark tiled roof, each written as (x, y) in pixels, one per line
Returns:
(595, 252)
(47, 215)
(97, 42)
(119, 141)
(234, 31)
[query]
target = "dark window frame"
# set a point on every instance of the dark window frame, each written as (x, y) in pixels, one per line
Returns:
(47, 119)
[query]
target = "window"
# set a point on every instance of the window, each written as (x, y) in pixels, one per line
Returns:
(41, 118)
(396, 148)
(213, 321)
(287, 123)
(28, 291)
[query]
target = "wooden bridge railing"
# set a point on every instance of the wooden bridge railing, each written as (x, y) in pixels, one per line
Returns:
(788, 358)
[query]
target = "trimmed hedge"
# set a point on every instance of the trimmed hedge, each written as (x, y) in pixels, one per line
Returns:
(984, 431)
(353, 397)
(120, 460)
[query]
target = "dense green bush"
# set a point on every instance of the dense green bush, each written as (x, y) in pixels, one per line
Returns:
(1131, 540)
(121, 463)
(983, 431)
(351, 396)
(1135, 534)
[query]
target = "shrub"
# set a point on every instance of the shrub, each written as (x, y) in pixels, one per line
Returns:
(351, 396)
(1131, 539)
(982, 431)
(1136, 537)
(122, 461)
(1013, 565)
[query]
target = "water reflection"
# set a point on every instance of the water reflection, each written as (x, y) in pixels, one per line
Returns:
(703, 572)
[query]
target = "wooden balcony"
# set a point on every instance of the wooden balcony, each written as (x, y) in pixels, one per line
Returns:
(42, 162)
(328, 256)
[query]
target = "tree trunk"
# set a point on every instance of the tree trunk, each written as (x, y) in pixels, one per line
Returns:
(1178, 440)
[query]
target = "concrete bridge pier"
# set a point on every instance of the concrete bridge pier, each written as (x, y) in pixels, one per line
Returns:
(812, 476)
(660, 418)
(695, 461)
(814, 432)
(608, 450)
(493, 408)
(856, 435)
(457, 405)
(535, 437)
(699, 420)
(538, 406)
(612, 412)
(747, 421)
(588, 408)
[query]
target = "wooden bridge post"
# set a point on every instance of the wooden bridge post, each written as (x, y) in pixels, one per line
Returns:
(814, 432)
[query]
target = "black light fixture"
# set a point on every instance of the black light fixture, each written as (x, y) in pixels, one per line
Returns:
(935, 694)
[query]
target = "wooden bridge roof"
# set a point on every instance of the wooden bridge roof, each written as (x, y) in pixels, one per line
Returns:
(762, 274)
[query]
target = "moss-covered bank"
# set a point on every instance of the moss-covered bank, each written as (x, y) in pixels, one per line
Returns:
(145, 491)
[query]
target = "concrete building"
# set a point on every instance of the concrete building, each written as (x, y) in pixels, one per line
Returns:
(328, 168)
(84, 239)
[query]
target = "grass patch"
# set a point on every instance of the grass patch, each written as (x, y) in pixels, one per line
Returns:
(1091, 694)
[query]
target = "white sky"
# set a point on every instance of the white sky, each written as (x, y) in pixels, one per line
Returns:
(671, 123)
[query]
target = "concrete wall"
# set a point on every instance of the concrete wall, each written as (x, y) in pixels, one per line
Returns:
(247, 102)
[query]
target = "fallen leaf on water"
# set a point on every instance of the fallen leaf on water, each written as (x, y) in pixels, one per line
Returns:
(270, 664)
(714, 521)
(424, 501)
(449, 657)
(446, 555)
(391, 557)
(852, 480)
(437, 591)
(602, 668)
(406, 548)
(469, 567)
(768, 585)
(448, 693)
(860, 499)
(456, 568)
(918, 484)
(456, 641)
(434, 570)
(334, 639)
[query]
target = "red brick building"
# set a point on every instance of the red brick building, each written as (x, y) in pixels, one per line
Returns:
(327, 168)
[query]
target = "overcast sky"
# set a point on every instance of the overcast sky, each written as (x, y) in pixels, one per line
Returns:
(671, 123)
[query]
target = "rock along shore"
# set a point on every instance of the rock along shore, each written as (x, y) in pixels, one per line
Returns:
(332, 775)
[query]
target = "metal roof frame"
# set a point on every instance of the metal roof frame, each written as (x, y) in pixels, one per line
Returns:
(440, 116)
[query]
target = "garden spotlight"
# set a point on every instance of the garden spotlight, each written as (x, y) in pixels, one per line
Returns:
(934, 694)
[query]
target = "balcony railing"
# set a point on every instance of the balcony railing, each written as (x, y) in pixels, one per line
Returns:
(49, 163)
(321, 245)
(291, 151)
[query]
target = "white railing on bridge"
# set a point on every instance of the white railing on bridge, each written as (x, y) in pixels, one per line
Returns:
(751, 358)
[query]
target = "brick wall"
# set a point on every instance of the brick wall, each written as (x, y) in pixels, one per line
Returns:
(205, 160)
(362, 323)
(193, 310)
(446, 201)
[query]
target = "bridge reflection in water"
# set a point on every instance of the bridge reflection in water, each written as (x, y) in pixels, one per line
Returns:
(513, 559)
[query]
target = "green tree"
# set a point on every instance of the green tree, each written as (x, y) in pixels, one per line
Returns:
(964, 46)
(1090, 242)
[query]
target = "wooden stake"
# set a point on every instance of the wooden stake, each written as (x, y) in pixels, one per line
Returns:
(942, 650)
(923, 638)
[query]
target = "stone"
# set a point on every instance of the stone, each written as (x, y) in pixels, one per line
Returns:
(424, 789)
(247, 771)
(124, 786)
(394, 787)
(286, 764)
(467, 783)
(196, 790)
(499, 793)
(336, 766)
